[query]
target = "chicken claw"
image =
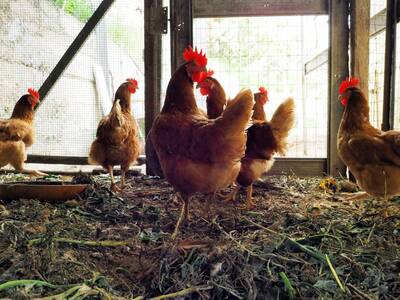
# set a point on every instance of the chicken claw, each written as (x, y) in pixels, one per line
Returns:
(232, 195)
(182, 216)
(33, 172)
(115, 188)
(249, 198)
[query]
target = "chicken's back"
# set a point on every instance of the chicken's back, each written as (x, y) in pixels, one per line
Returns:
(116, 143)
(17, 130)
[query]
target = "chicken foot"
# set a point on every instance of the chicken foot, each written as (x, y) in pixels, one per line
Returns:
(182, 216)
(114, 186)
(249, 197)
(232, 195)
(32, 172)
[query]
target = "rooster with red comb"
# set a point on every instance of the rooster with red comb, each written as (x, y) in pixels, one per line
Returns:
(372, 155)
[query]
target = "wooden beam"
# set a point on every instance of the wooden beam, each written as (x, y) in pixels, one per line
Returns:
(240, 8)
(152, 62)
(338, 71)
(299, 166)
(181, 30)
(390, 65)
(73, 49)
(67, 160)
(359, 41)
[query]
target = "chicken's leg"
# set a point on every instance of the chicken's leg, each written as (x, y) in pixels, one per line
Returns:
(123, 173)
(113, 187)
(249, 197)
(356, 196)
(182, 217)
(32, 172)
(232, 195)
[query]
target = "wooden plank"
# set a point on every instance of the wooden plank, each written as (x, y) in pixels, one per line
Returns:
(240, 8)
(73, 49)
(338, 71)
(299, 166)
(390, 65)
(181, 30)
(152, 63)
(67, 160)
(359, 41)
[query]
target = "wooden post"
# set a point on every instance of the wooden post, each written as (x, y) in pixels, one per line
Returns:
(73, 49)
(152, 62)
(359, 37)
(390, 65)
(338, 71)
(181, 30)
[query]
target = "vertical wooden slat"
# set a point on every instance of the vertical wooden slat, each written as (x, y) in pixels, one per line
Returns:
(181, 30)
(390, 65)
(152, 63)
(359, 37)
(74, 48)
(338, 70)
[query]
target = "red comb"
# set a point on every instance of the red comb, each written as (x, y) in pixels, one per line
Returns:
(34, 93)
(133, 81)
(262, 90)
(349, 82)
(198, 57)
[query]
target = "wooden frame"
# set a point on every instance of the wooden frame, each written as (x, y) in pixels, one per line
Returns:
(392, 7)
(338, 71)
(236, 8)
(181, 30)
(152, 62)
(240, 8)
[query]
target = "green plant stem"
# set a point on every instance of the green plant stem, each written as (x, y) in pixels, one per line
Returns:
(23, 282)
(335, 275)
(288, 286)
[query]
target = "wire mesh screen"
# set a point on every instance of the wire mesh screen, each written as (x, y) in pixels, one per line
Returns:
(66, 122)
(273, 52)
(397, 84)
(377, 61)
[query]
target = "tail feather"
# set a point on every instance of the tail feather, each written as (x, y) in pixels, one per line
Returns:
(236, 116)
(282, 122)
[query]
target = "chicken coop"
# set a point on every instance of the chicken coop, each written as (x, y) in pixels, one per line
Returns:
(88, 47)
(78, 52)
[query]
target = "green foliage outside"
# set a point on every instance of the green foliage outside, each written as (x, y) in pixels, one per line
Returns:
(81, 9)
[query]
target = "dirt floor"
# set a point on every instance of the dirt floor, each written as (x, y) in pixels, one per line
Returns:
(300, 242)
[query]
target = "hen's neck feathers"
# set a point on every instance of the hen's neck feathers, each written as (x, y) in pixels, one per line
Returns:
(356, 113)
(124, 96)
(23, 110)
(216, 100)
(259, 113)
(180, 94)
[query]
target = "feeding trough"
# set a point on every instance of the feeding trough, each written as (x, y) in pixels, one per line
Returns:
(42, 190)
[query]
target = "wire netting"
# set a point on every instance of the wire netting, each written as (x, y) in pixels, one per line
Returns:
(34, 36)
(273, 52)
(377, 62)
